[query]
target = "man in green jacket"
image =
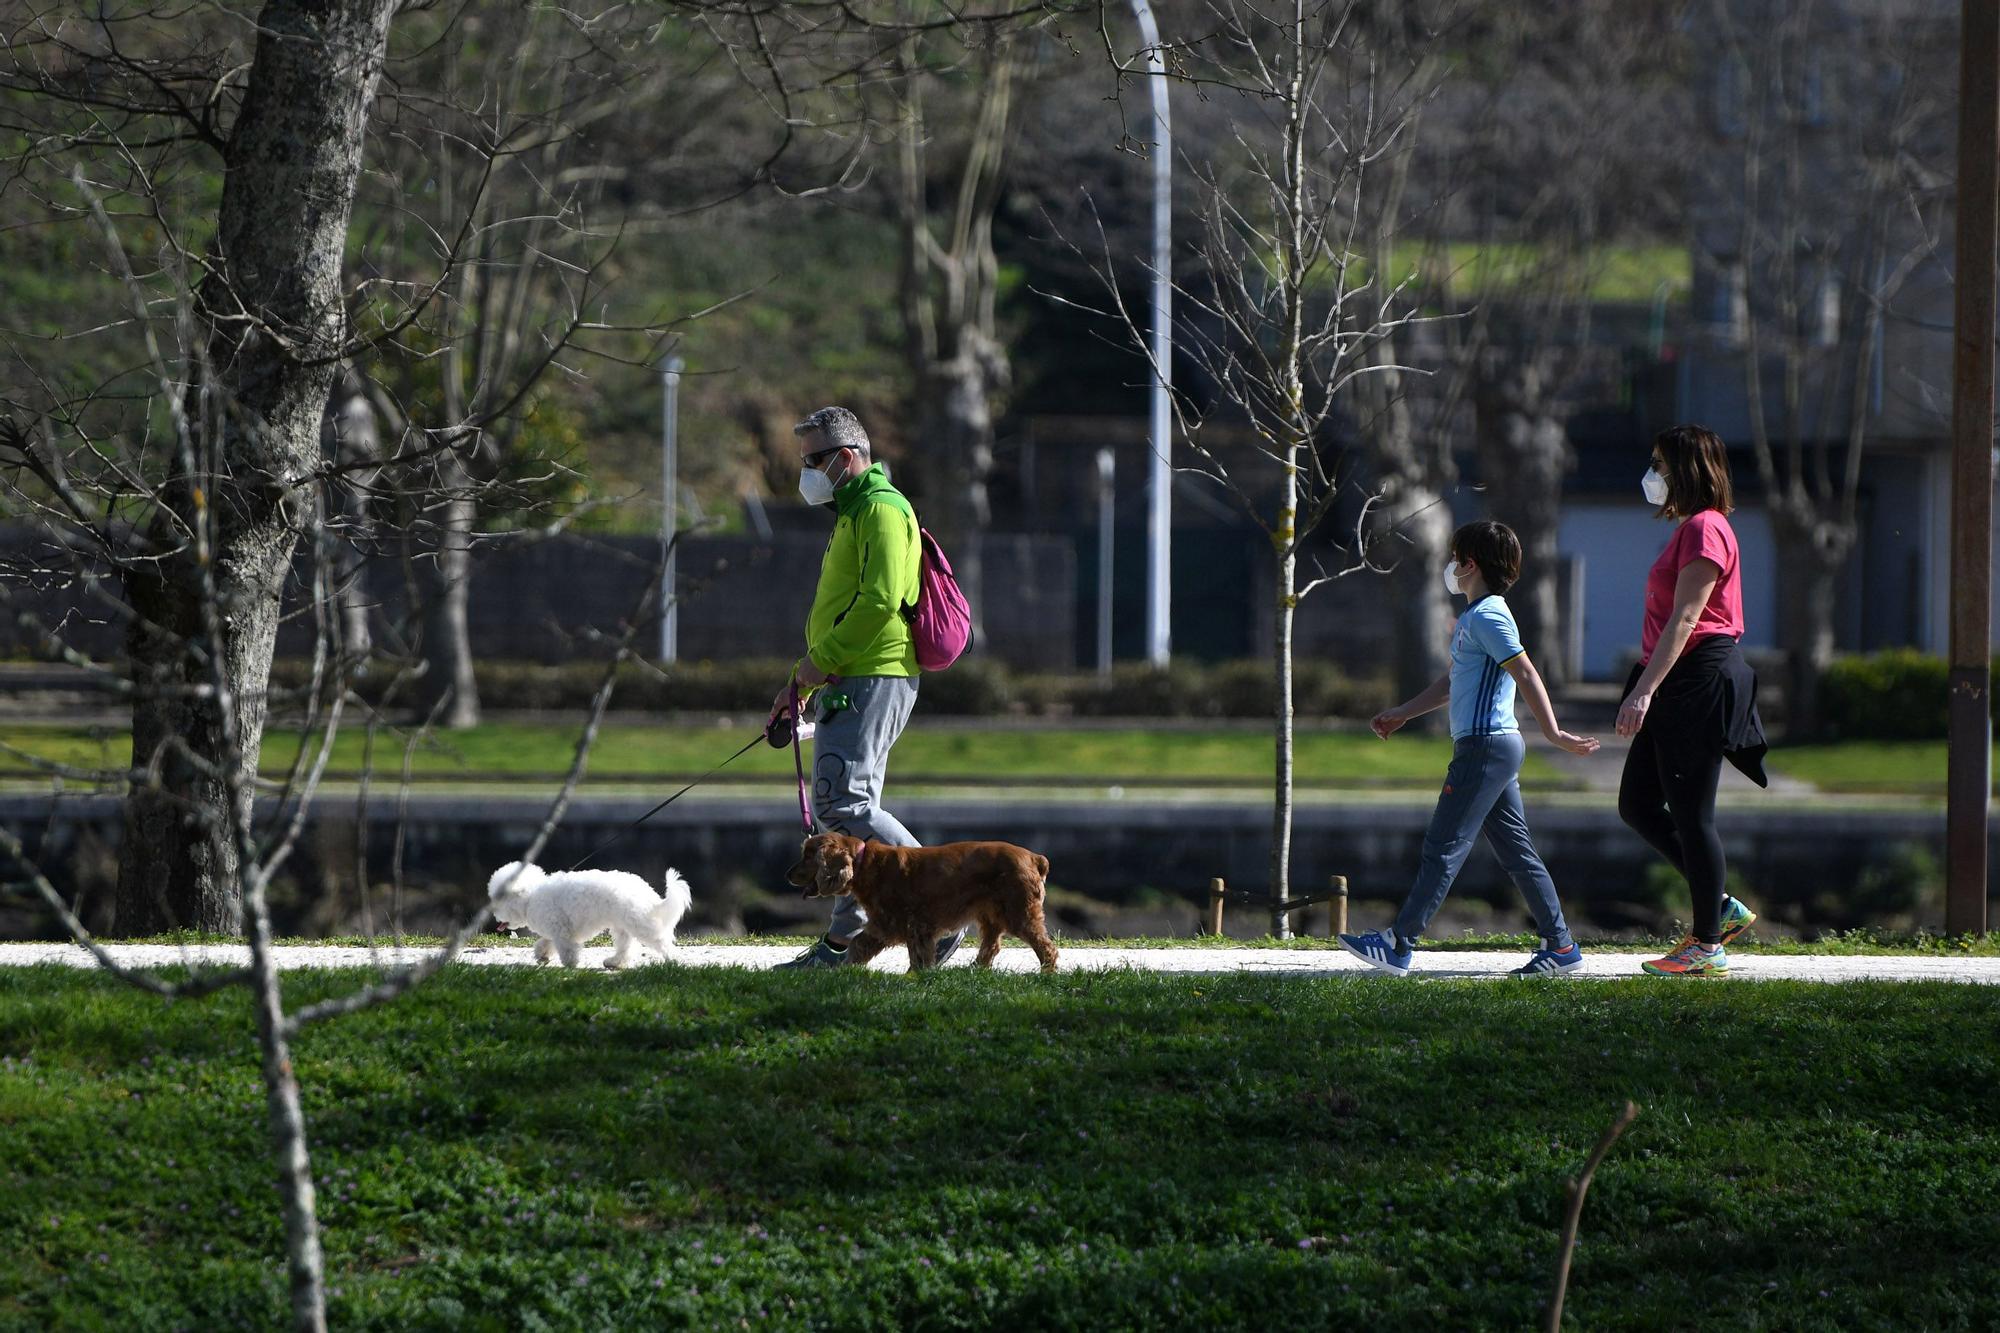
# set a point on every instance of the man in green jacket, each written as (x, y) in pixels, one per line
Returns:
(860, 666)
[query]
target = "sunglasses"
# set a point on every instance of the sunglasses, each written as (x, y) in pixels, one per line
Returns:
(819, 456)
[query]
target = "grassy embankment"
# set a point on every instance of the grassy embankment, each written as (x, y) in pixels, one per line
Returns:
(714, 1148)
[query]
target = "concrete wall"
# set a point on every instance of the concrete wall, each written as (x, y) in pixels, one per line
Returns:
(1802, 867)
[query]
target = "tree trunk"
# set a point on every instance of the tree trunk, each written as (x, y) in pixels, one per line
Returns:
(285, 1119)
(1281, 811)
(1420, 524)
(1524, 454)
(272, 312)
(352, 441)
(1815, 554)
(956, 436)
(1413, 524)
(946, 292)
(447, 611)
(180, 867)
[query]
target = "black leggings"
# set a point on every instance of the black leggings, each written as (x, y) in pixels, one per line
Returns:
(1670, 802)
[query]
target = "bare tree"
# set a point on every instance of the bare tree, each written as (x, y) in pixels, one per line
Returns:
(1551, 133)
(949, 282)
(497, 277)
(245, 386)
(1288, 318)
(352, 444)
(551, 146)
(178, 495)
(1825, 191)
(224, 459)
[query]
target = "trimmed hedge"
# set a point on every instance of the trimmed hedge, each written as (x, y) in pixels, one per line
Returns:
(1898, 694)
(975, 687)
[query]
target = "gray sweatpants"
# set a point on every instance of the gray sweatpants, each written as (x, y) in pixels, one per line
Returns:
(1482, 793)
(850, 759)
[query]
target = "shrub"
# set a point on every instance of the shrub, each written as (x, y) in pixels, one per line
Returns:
(974, 687)
(1321, 689)
(1904, 883)
(1899, 694)
(1250, 689)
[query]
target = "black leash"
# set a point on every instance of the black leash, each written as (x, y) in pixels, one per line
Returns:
(763, 737)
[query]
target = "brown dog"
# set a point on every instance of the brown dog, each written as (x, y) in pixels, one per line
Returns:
(914, 895)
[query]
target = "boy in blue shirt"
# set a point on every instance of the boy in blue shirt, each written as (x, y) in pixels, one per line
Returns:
(1482, 789)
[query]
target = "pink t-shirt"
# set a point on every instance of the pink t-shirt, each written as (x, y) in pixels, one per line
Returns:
(1703, 536)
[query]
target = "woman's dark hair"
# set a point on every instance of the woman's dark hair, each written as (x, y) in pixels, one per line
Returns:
(1695, 463)
(1494, 548)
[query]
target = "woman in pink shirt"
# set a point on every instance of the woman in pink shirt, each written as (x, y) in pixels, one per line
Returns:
(1692, 700)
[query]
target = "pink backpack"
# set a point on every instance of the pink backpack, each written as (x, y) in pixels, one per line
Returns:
(941, 622)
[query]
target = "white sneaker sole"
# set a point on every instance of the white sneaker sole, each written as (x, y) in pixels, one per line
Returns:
(1558, 971)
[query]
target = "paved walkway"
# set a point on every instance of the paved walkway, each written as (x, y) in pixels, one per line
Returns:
(1746, 964)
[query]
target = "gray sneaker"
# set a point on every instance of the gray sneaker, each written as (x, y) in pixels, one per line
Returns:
(949, 945)
(821, 954)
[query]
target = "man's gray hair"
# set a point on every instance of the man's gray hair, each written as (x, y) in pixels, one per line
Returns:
(838, 426)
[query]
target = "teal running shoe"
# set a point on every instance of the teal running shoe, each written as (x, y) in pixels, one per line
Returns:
(1736, 918)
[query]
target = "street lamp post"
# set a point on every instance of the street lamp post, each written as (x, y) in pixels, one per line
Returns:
(670, 614)
(1159, 509)
(1107, 515)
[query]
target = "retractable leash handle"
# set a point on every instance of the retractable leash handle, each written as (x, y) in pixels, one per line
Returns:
(787, 726)
(778, 731)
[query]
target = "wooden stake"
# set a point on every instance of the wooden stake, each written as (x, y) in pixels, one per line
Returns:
(1336, 908)
(1216, 888)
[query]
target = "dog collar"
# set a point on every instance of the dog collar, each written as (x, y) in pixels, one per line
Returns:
(861, 855)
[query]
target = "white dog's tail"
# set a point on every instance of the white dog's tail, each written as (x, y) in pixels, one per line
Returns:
(673, 905)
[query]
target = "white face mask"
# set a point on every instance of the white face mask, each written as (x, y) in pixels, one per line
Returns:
(1655, 487)
(815, 487)
(1451, 579)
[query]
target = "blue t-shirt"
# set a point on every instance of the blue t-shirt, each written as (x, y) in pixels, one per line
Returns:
(1482, 694)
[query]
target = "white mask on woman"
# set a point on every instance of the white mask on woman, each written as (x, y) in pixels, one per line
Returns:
(1655, 487)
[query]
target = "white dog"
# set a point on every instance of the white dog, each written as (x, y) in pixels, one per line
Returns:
(576, 905)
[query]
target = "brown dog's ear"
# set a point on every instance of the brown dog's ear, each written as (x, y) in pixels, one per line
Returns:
(836, 867)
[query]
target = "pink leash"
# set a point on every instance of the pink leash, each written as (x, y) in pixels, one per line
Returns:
(799, 762)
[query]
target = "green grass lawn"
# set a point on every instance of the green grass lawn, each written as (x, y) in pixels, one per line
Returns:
(925, 752)
(702, 1149)
(1867, 766)
(942, 753)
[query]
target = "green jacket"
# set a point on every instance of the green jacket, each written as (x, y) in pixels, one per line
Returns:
(869, 574)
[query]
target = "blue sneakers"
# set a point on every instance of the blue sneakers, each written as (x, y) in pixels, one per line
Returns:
(1548, 962)
(1375, 950)
(819, 954)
